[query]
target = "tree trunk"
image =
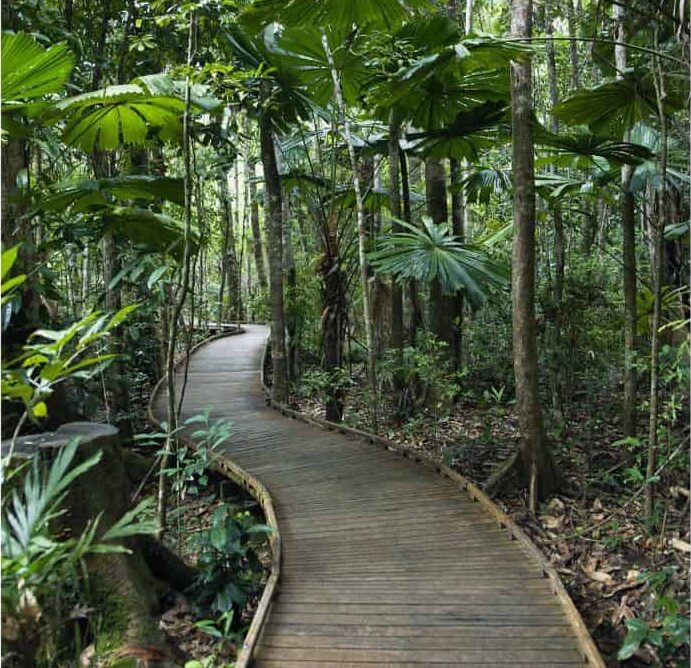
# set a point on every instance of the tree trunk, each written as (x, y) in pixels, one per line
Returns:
(536, 455)
(468, 16)
(395, 208)
(292, 316)
(231, 269)
(458, 226)
(559, 243)
(250, 178)
(657, 264)
(416, 318)
(628, 251)
(274, 236)
(362, 236)
(573, 45)
(441, 305)
(334, 317)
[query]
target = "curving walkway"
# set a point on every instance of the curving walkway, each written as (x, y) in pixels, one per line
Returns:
(384, 562)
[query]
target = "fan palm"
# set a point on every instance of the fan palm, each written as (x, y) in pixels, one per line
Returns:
(433, 253)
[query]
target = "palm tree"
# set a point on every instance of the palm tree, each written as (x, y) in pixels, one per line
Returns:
(276, 101)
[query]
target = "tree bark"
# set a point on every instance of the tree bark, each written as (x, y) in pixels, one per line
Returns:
(416, 318)
(559, 241)
(628, 252)
(292, 316)
(657, 264)
(334, 317)
(536, 455)
(274, 235)
(441, 305)
(458, 214)
(250, 178)
(395, 208)
(573, 45)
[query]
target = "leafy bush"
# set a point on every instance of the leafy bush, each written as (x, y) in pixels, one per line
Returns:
(42, 568)
(669, 628)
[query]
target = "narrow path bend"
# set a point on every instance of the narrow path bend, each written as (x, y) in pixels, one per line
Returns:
(384, 562)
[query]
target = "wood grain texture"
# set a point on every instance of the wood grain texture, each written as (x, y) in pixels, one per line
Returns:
(385, 562)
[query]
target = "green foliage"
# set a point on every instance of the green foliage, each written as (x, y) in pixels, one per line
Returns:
(95, 194)
(38, 560)
(425, 372)
(614, 106)
(669, 627)
(30, 72)
(8, 289)
(432, 253)
(120, 115)
(189, 470)
(319, 384)
(228, 559)
(52, 357)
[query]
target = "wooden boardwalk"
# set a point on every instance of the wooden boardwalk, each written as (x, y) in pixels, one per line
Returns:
(384, 562)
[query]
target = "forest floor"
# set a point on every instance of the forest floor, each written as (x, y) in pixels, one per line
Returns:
(612, 565)
(192, 629)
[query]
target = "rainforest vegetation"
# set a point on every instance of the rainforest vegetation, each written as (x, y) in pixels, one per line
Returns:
(467, 225)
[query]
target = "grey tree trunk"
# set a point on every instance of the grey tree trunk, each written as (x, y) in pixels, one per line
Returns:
(657, 265)
(292, 324)
(274, 235)
(628, 219)
(536, 455)
(395, 208)
(250, 178)
(573, 45)
(559, 244)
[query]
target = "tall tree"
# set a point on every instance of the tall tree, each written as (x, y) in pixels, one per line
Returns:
(257, 245)
(274, 234)
(536, 455)
(441, 304)
(628, 218)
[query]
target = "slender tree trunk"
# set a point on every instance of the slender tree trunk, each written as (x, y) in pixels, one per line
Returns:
(559, 242)
(274, 235)
(362, 236)
(468, 16)
(657, 264)
(573, 45)
(395, 208)
(458, 226)
(629, 252)
(250, 178)
(536, 454)
(441, 305)
(230, 269)
(416, 318)
(180, 295)
(292, 324)
(334, 317)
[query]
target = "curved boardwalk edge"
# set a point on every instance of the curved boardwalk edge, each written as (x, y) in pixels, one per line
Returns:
(587, 646)
(223, 464)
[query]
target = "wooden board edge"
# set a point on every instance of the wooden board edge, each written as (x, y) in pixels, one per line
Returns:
(226, 466)
(590, 652)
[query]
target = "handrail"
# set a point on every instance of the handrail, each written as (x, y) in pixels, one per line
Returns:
(587, 646)
(223, 464)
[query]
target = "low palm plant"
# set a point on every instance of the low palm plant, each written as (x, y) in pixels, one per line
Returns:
(432, 253)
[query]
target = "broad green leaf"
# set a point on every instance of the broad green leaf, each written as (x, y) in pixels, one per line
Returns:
(30, 71)
(9, 257)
